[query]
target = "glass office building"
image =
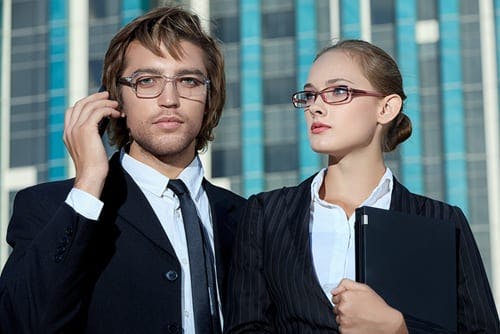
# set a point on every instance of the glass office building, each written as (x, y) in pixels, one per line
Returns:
(448, 51)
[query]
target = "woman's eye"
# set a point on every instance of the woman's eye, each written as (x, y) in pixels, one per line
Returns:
(340, 90)
(309, 96)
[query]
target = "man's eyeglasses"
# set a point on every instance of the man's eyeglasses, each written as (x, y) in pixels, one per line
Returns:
(148, 85)
(331, 95)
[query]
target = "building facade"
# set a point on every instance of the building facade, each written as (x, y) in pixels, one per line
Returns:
(448, 51)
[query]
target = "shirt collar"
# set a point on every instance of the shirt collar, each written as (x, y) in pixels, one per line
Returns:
(384, 187)
(192, 176)
(316, 184)
(154, 182)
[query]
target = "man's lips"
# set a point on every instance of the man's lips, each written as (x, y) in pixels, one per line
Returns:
(168, 122)
(319, 127)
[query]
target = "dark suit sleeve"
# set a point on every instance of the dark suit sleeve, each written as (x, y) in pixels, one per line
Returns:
(41, 286)
(248, 305)
(476, 309)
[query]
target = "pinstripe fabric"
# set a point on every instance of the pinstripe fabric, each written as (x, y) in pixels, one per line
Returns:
(273, 286)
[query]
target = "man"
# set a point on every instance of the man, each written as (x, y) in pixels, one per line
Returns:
(112, 250)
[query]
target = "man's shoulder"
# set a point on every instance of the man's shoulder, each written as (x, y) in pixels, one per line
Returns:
(222, 193)
(36, 202)
(51, 189)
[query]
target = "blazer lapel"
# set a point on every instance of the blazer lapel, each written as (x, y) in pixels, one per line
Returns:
(123, 198)
(401, 199)
(298, 202)
(396, 198)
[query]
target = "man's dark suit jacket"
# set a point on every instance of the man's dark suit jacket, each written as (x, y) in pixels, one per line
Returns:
(273, 286)
(68, 274)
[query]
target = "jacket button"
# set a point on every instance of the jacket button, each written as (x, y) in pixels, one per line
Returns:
(64, 241)
(69, 231)
(171, 275)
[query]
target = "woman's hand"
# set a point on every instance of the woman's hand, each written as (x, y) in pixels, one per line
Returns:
(359, 309)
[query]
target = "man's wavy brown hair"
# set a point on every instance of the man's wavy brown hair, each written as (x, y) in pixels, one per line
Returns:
(167, 26)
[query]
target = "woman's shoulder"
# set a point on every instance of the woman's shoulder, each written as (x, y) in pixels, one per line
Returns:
(407, 201)
(301, 189)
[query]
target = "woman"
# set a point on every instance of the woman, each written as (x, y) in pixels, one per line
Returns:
(293, 266)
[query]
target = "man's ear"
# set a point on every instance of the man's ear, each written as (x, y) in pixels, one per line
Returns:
(390, 109)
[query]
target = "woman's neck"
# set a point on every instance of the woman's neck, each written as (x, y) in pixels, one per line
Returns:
(350, 181)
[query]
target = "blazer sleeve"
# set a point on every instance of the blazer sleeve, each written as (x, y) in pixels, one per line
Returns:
(42, 284)
(248, 304)
(476, 308)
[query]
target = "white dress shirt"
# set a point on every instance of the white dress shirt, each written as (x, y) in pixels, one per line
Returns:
(332, 233)
(166, 206)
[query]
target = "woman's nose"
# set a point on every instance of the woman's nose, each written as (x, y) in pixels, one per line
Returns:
(316, 110)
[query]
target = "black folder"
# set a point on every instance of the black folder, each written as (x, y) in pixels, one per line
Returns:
(410, 261)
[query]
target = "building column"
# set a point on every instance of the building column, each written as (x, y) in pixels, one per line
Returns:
(252, 113)
(452, 102)
(407, 56)
(78, 58)
(335, 29)
(305, 50)
(132, 9)
(57, 104)
(350, 19)
(202, 9)
(6, 17)
(489, 64)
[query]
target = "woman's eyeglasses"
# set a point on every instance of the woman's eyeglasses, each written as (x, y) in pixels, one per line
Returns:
(331, 95)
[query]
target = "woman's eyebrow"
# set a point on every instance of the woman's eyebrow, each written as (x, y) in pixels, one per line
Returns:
(328, 82)
(336, 80)
(309, 85)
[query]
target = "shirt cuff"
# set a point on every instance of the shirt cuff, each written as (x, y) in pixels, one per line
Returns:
(84, 203)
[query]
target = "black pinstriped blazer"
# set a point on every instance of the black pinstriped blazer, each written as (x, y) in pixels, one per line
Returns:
(273, 285)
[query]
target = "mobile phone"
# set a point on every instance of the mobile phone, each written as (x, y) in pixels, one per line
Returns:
(103, 124)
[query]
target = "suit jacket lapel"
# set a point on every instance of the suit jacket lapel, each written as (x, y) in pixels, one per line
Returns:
(123, 198)
(298, 203)
(401, 199)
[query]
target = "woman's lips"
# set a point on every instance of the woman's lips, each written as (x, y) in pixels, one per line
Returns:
(319, 127)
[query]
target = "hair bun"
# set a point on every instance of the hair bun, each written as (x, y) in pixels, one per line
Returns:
(398, 132)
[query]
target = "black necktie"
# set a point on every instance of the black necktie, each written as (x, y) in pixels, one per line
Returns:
(206, 312)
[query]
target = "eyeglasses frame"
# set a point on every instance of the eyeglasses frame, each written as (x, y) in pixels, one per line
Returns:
(351, 92)
(127, 81)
